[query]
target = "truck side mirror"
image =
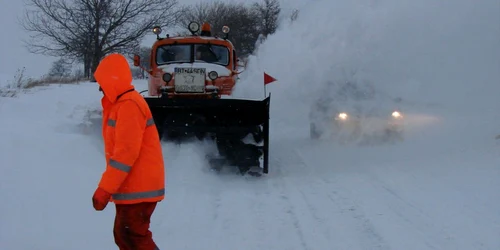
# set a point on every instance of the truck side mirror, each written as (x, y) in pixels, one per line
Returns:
(137, 60)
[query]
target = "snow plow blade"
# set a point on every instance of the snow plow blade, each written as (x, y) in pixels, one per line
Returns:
(229, 122)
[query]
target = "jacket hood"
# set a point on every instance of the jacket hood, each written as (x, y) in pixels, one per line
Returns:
(114, 76)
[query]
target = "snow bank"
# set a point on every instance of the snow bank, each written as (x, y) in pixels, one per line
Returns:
(425, 51)
(51, 158)
(44, 171)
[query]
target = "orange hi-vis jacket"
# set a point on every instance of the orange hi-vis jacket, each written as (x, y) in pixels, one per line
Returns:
(135, 169)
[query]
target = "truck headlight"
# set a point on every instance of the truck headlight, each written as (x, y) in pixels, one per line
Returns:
(213, 75)
(193, 27)
(156, 30)
(167, 77)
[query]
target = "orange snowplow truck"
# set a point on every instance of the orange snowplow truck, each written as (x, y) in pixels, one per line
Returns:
(188, 76)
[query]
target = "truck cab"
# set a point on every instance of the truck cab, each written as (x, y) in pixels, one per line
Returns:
(194, 66)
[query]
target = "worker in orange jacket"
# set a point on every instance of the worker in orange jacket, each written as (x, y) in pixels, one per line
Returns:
(134, 178)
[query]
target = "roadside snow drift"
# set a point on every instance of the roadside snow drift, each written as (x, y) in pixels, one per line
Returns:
(436, 190)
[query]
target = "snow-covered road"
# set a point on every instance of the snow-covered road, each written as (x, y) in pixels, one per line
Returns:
(424, 193)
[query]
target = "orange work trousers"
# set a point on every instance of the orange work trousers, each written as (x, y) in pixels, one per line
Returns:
(131, 229)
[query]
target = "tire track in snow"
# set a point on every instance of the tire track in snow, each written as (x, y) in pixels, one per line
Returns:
(344, 204)
(370, 238)
(380, 199)
(283, 186)
(412, 215)
(320, 220)
(217, 221)
(241, 219)
(350, 207)
(290, 210)
(312, 210)
(320, 212)
(258, 212)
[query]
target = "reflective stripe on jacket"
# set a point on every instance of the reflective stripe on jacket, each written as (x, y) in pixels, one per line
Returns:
(135, 168)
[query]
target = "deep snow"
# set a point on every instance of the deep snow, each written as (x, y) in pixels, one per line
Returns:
(436, 190)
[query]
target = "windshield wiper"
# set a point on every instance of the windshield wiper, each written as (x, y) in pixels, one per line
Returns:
(212, 51)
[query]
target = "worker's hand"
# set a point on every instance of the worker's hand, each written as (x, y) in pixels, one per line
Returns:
(100, 199)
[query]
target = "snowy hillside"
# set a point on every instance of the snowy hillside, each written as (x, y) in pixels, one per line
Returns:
(438, 189)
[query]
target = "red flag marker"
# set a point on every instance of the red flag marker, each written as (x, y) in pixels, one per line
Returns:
(268, 79)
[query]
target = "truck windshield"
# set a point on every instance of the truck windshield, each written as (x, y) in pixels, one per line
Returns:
(181, 53)
(173, 54)
(211, 54)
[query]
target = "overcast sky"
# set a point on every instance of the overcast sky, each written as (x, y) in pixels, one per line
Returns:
(14, 55)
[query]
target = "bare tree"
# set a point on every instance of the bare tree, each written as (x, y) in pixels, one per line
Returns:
(214, 13)
(203, 12)
(244, 27)
(241, 19)
(91, 29)
(60, 68)
(268, 12)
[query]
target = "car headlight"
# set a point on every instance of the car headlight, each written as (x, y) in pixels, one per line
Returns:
(396, 114)
(342, 116)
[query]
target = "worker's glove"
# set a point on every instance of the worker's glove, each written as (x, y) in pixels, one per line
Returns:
(100, 199)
